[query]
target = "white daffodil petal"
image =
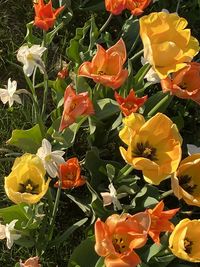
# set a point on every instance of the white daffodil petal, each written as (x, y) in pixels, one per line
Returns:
(2, 231)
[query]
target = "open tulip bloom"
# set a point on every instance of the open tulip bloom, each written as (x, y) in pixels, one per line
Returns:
(154, 146)
(106, 66)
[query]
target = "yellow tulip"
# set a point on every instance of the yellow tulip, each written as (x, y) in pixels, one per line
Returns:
(184, 240)
(185, 181)
(167, 44)
(154, 147)
(26, 182)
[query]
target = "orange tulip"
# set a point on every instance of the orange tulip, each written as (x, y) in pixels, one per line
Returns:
(117, 238)
(45, 16)
(131, 103)
(107, 66)
(137, 6)
(70, 173)
(185, 83)
(75, 105)
(31, 262)
(160, 221)
(115, 6)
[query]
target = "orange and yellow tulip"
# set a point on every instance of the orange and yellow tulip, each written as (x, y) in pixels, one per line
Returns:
(154, 147)
(185, 181)
(75, 105)
(184, 240)
(70, 174)
(131, 103)
(119, 236)
(107, 66)
(45, 16)
(168, 46)
(160, 221)
(184, 83)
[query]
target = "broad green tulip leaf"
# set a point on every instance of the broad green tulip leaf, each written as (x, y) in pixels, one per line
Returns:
(64, 236)
(76, 44)
(106, 108)
(84, 255)
(100, 262)
(157, 103)
(15, 212)
(130, 33)
(27, 140)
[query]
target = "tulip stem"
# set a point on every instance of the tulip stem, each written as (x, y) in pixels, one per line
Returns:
(166, 194)
(55, 209)
(159, 104)
(125, 171)
(137, 55)
(106, 23)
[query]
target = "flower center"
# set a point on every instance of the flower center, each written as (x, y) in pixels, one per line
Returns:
(101, 72)
(29, 187)
(188, 246)
(145, 150)
(48, 158)
(186, 182)
(183, 85)
(119, 244)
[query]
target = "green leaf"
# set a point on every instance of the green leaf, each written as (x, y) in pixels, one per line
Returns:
(76, 44)
(15, 212)
(64, 236)
(94, 33)
(100, 262)
(84, 255)
(130, 31)
(30, 38)
(67, 137)
(106, 108)
(50, 35)
(157, 103)
(27, 140)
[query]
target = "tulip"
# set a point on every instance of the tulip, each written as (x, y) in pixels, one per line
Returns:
(26, 183)
(75, 105)
(160, 221)
(168, 46)
(154, 147)
(185, 181)
(137, 6)
(184, 240)
(45, 16)
(119, 236)
(131, 103)
(31, 262)
(184, 83)
(107, 66)
(70, 174)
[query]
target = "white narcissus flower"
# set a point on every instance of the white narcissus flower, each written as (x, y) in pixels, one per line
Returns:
(31, 58)
(51, 160)
(8, 231)
(151, 75)
(10, 94)
(112, 197)
(192, 149)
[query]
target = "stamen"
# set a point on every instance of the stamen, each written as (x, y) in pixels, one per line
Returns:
(188, 246)
(186, 182)
(29, 187)
(119, 245)
(145, 150)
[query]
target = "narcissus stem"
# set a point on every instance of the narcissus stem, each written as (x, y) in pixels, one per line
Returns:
(166, 194)
(177, 7)
(106, 23)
